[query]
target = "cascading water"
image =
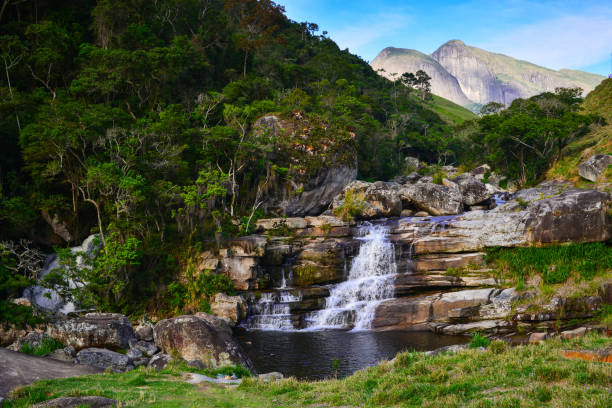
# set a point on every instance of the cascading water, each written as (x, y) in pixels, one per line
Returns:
(273, 311)
(370, 281)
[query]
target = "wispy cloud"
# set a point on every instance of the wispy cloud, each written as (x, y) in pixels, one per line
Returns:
(571, 41)
(357, 35)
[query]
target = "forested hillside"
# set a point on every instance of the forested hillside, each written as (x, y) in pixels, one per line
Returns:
(134, 120)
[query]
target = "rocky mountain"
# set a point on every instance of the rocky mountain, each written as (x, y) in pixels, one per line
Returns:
(471, 76)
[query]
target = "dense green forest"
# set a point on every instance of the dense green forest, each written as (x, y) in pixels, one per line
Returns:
(135, 120)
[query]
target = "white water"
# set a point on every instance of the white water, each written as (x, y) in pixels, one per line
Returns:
(370, 281)
(273, 311)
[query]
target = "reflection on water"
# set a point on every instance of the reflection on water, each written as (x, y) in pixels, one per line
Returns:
(309, 355)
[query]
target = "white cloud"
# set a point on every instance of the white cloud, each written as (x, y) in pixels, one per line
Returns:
(572, 41)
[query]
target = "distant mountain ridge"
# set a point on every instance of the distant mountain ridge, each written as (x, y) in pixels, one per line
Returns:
(471, 77)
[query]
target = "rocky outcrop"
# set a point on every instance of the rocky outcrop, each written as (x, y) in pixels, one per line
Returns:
(433, 198)
(380, 199)
(594, 166)
(101, 330)
(230, 308)
(472, 190)
(317, 194)
(200, 337)
(103, 358)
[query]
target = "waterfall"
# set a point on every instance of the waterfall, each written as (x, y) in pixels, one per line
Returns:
(370, 281)
(273, 311)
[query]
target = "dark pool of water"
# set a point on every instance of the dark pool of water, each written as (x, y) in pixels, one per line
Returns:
(309, 354)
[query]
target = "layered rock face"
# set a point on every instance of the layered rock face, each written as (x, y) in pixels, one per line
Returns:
(298, 261)
(468, 75)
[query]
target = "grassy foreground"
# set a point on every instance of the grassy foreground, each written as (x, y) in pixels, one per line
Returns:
(524, 376)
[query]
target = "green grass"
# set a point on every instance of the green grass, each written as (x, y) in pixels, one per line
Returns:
(554, 264)
(449, 111)
(524, 376)
(46, 346)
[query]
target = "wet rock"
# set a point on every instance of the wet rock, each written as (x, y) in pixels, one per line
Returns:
(573, 334)
(74, 402)
(159, 361)
(103, 358)
(406, 213)
(101, 330)
(594, 166)
(421, 214)
(144, 333)
(433, 198)
(200, 337)
(227, 307)
(472, 190)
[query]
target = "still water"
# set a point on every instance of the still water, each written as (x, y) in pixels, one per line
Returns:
(309, 354)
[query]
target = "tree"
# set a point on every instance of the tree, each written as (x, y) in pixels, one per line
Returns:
(491, 107)
(258, 21)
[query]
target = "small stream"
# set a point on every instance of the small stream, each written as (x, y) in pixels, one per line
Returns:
(308, 355)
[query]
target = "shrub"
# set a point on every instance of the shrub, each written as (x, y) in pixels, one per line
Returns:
(46, 346)
(498, 346)
(478, 340)
(352, 206)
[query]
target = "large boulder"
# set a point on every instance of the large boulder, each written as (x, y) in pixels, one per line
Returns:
(231, 308)
(593, 167)
(318, 193)
(103, 330)
(380, 199)
(200, 337)
(103, 358)
(572, 216)
(472, 190)
(433, 198)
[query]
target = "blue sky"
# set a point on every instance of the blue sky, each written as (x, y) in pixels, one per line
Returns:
(554, 34)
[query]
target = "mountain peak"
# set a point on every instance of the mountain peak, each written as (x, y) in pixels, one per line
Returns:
(471, 76)
(454, 43)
